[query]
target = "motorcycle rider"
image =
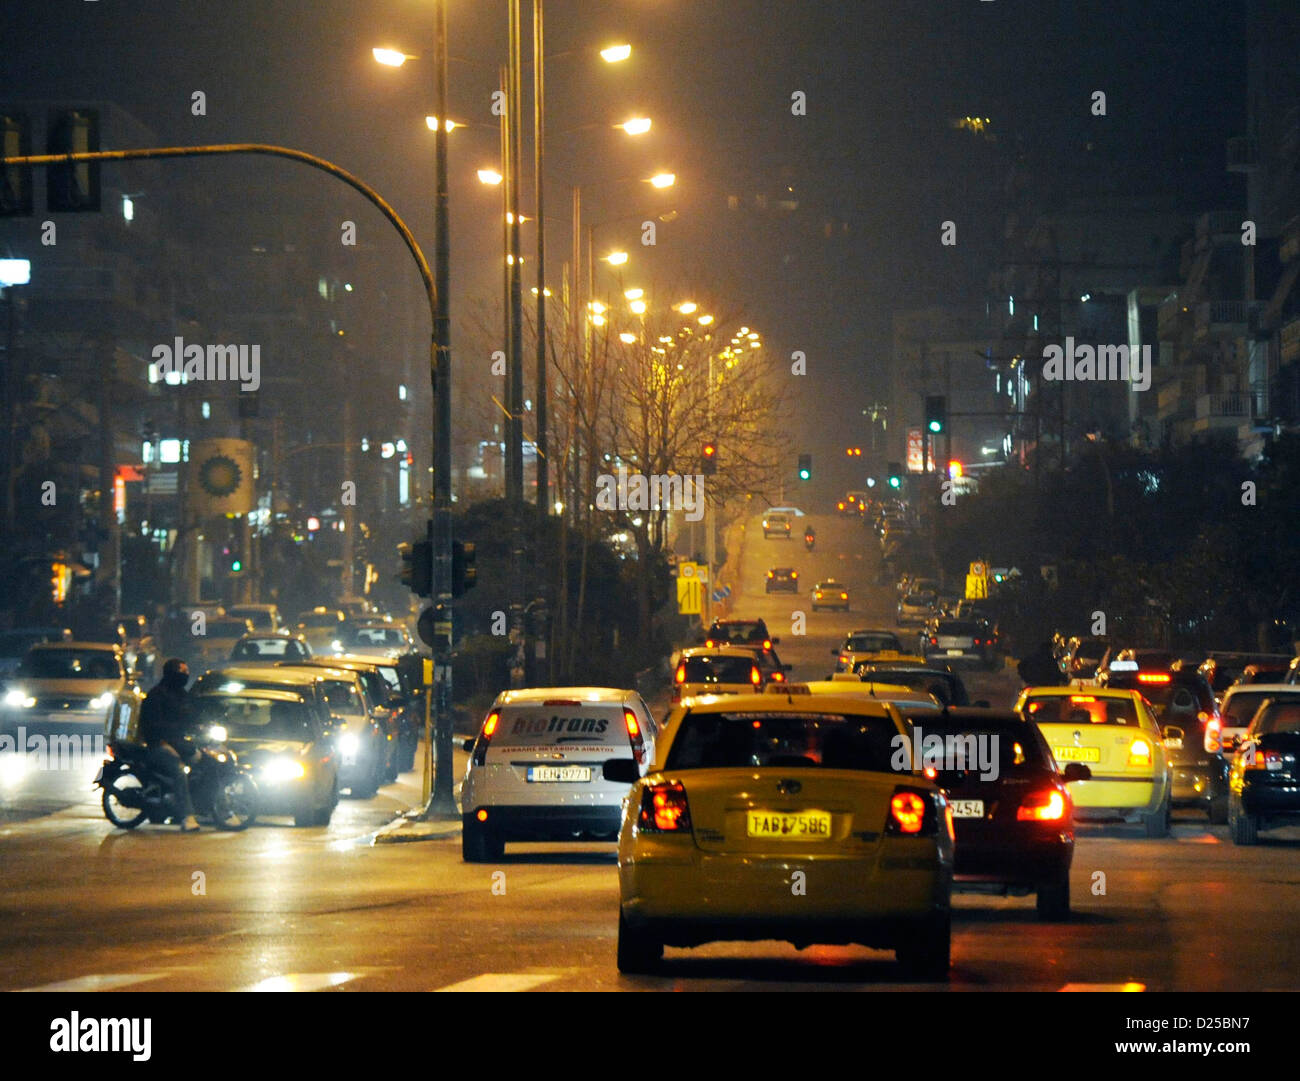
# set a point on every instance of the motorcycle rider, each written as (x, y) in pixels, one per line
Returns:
(166, 719)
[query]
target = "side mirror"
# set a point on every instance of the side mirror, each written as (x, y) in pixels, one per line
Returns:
(1076, 771)
(467, 745)
(621, 770)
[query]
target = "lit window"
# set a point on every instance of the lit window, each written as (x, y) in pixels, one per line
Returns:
(207, 410)
(169, 451)
(401, 392)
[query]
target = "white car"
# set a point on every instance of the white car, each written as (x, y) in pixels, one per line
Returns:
(385, 641)
(72, 683)
(1240, 701)
(535, 767)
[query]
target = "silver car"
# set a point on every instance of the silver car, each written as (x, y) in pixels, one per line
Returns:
(69, 683)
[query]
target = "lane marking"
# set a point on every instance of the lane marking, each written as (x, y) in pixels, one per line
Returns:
(101, 981)
(304, 981)
(1132, 985)
(501, 981)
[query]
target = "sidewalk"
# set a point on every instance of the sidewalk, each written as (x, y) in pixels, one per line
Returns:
(407, 826)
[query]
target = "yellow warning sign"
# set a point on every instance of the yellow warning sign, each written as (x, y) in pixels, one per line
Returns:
(690, 593)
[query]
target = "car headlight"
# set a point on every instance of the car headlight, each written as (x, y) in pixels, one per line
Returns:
(337, 646)
(102, 701)
(217, 733)
(19, 699)
(284, 769)
(349, 743)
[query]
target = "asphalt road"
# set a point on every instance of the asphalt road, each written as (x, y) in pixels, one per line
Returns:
(84, 906)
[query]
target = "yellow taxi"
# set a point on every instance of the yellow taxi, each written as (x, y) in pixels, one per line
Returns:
(784, 816)
(1114, 732)
(716, 670)
(846, 683)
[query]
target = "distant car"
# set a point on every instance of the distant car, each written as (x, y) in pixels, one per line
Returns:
(915, 607)
(15, 644)
(776, 523)
(741, 632)
(769, 664)
(1264, 781)
(782, 580)
(265, 618)
(282, 738)
(1223, 669)
(830, 594)
(763, 785)
(536, 768)
(256, 649)
(82, 685)
(1014, 820)
(959, 641)
(213, 646)
(1240, 703)
(1263, 672)
(917, 673)
(370, 639)
(865, 643)
(141, 648)
(1114, 732)
(321, 627)
(845, 683)
(716, 670)
(357, 609)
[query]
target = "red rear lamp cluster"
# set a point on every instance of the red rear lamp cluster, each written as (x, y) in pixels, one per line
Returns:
(907, 810)
(664, 809)
(1139, 753)
(485, 737)
(634, 735)
(1214, 736)
(1153, 677)
(755, 676)
(1047, 806)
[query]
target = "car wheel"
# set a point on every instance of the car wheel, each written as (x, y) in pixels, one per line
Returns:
(928, 954)
(637, 952)
(1218, 810)
(1054, 898)
(365, 789)
(1243, 825)
(1157, 823)
(391, 766)
(480, 843)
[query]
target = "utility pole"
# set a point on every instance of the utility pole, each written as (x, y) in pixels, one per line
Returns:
(539, 161)
(515, 402)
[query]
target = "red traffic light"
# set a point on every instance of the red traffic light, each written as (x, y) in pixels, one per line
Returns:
(709, 450)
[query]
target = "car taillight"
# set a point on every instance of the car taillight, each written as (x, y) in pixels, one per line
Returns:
(843, 659)
(664, 809)
(934, 641)
(794, 574)
(767, 643)
(1153, 677)
(634, 735)
(912, 812)
(709, 642)
(1214, 736)
(485, 737)
(1139, 753)
(777, 677)
(1254, 758)
(680, 677)
(755, 676)
(770, 574)
(1046, 806)
(844, 596)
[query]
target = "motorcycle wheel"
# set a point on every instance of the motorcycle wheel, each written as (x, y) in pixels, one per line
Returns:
(121, 814)
(234, 807)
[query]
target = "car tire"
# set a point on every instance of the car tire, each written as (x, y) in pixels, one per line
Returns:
(1054, 898)
(480, 843)
(1243, 825)
(927, 955)
(638, 953)
(1157, 823)
(391, 764)
(365, 789)
(1218, 810)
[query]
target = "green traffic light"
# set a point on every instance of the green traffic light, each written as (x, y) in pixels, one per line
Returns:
(804, 474)
(935, 426)
(236, 565)
(894, 482)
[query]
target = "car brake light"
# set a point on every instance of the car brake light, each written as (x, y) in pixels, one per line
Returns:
(843, 659)
(709, 642)
(844, 596)
(1252, 757)
(907, 812)
(1046, 806)
(681, 673)
(778, 677)
(794, 574)
(933, 640)
(767, 643)
(1153, 677)
(1214, 736)
(664, 809)
(1082, 698)
(755, 676)
(485, 737)
(1139, 753)
(770, 574)
(634, 736)
(561, 702)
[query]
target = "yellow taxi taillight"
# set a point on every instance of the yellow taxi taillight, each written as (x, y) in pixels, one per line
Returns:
(481, 815)
(680, 677)
(633, 727)
(1139, 753)
(664, 809)
(755, 676)
(908, 811)
(770, 574)
(844, 596)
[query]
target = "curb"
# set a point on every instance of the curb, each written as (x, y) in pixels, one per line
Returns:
(403, 830)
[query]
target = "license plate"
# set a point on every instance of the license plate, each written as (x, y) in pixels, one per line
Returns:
(1077, 754)
(1174, 744)
(967, 808)
(782, 826)
(569, 774)
(955, 652)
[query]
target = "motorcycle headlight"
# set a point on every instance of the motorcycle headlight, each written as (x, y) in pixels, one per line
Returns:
(349, 742)
(102, 701)
(17, 699)
(217, 733)
(284, 769)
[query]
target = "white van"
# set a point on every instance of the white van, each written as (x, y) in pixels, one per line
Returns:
(535, 769)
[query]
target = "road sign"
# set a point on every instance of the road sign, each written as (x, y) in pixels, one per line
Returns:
(685, 570)
(690, 593)
(977, 587)
(979, 570)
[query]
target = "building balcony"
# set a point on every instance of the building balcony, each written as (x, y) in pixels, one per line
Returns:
(1172, 318)
(1243, 154)
(1224, 318)
(1290, 340)
(1228, 407)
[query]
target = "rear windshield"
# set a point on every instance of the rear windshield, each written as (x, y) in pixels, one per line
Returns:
(375, 636)
(1278, 717)
(1014, 745)
(1240, 708)
(737, 632)
(872, 643)
(259, 618)
(69, 664)
(319, 619)
(280, 649)
(717, 669)
(343, 698)
(1081, 709)
(940, 684)
(917, 599)
(256, 718)
(567, 726)
(959, 628)
(795, 740)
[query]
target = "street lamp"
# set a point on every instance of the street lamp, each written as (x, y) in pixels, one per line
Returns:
(615, 53)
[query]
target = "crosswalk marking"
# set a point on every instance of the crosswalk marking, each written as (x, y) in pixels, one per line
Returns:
(303, 981)
(101, 981)
(1132, 985)
(501, 981)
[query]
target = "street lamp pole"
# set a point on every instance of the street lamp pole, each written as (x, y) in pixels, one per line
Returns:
(539, 132)
(515, 403)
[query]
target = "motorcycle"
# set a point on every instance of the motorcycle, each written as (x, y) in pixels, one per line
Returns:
(809, 539)
(221, 788)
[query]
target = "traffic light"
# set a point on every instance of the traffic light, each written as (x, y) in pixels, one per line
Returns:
(895, 475)
(73, 187)
(936, 413)
(709, 459)
(417, 567)
(15, 180)
(805, 467)
(464, 575)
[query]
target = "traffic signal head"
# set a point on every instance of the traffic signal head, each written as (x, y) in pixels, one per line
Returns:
(895, 475)
(805, 466)
(15, 181)
(464, 575)
(709, 458)
(417, 567)
(936, 413)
